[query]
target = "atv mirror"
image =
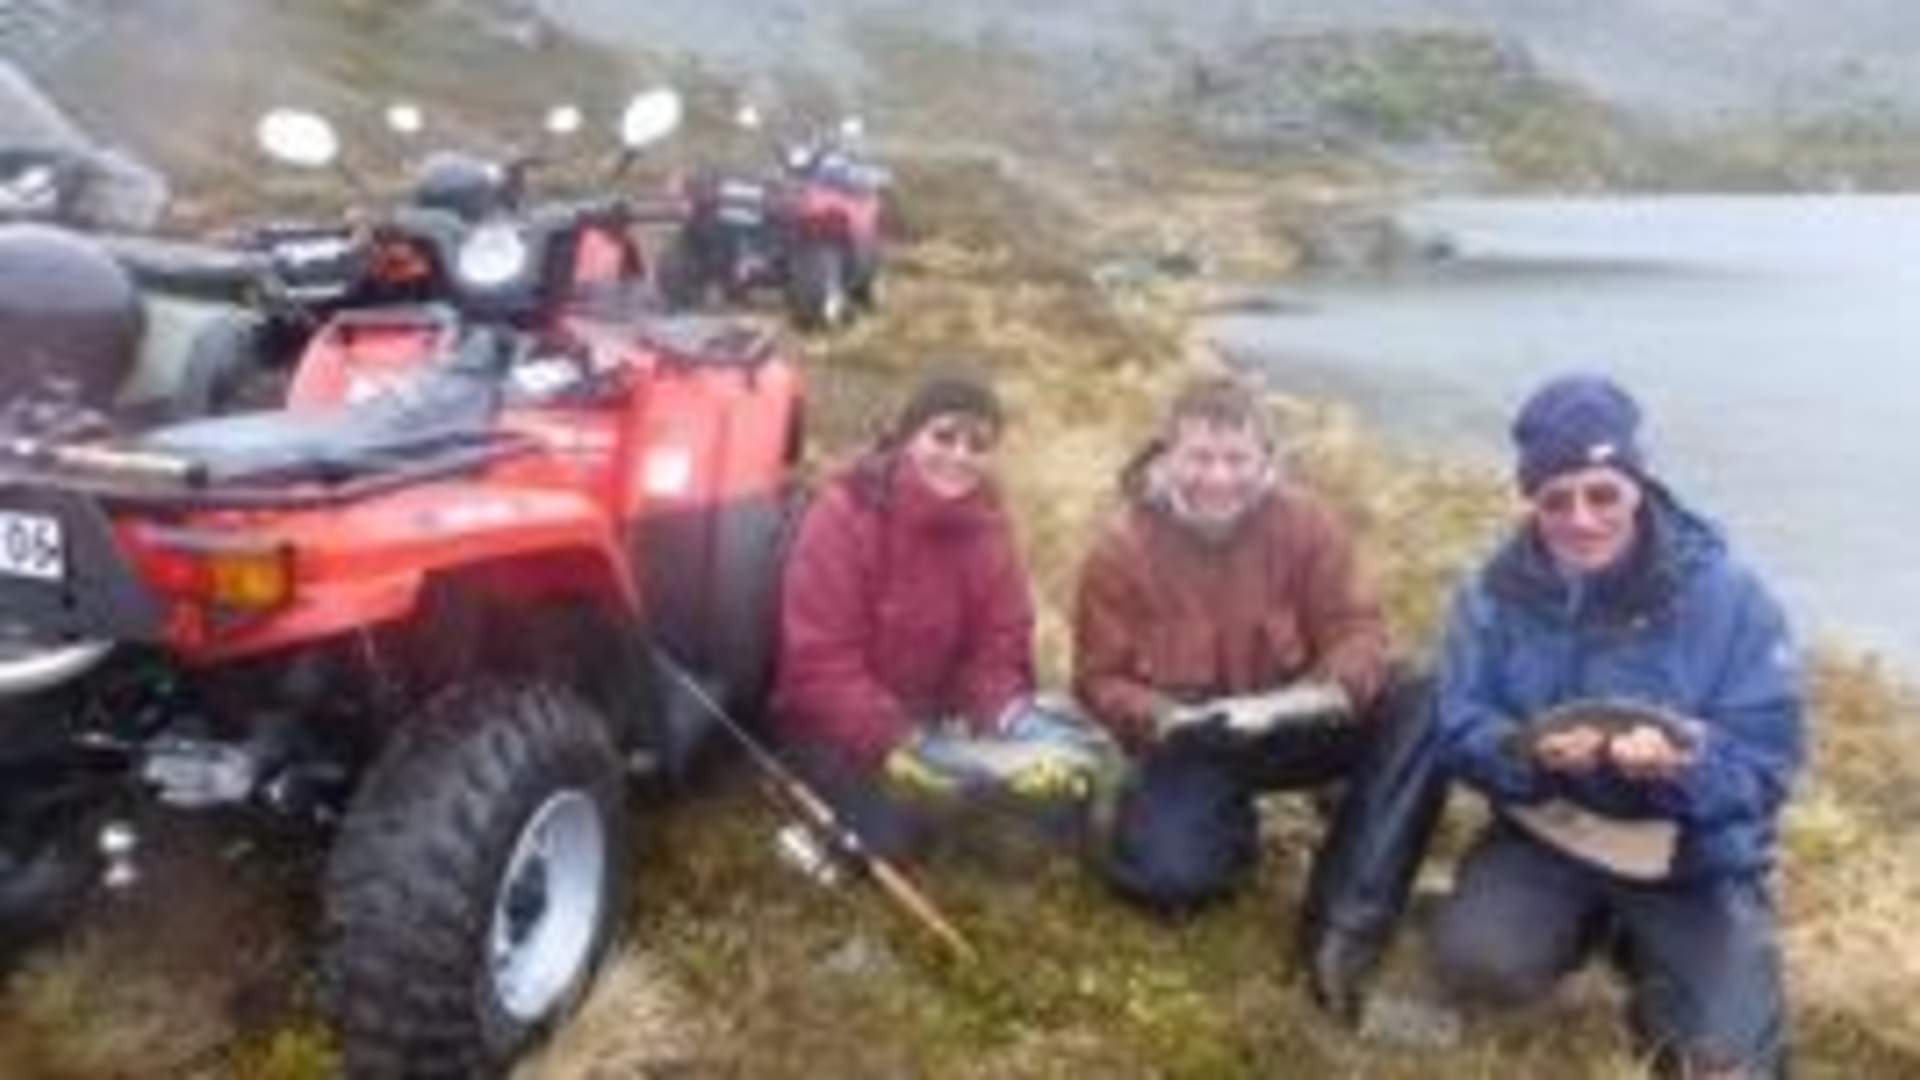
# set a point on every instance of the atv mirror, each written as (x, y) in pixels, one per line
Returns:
(563, 120)
(298, 138)
(405, 119)
(650, 117)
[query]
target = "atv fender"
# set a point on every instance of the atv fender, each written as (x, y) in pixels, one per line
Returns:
(368, 564)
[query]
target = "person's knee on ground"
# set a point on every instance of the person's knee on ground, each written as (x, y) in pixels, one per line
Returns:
(1184, 836)
(1170, 877)
(1517, 920)
(1486, 962)
(1705, 969)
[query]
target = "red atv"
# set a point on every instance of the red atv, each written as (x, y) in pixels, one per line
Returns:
(811, 230)
(445, 602)
(455, 236)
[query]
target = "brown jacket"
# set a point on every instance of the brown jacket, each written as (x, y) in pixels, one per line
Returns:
(1163, 613)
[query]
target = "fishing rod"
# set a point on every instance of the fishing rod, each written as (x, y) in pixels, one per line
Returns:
(820, 815)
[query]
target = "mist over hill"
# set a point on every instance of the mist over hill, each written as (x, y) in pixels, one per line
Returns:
(1480, 93)
(1681, 58)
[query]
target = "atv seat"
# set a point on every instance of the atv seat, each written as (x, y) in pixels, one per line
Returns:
(444, 408)
(176, 266)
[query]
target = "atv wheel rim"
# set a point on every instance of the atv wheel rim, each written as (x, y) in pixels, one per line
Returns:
(547, 910)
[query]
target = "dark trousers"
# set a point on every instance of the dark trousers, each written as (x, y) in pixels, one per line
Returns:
(890, 826)
(1701, 958)
(1187, 830)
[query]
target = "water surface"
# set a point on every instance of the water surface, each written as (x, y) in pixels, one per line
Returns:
(1775, 342)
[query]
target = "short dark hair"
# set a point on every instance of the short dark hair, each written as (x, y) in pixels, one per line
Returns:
(948, 389)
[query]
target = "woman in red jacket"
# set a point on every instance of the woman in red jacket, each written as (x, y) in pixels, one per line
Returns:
(905, 667)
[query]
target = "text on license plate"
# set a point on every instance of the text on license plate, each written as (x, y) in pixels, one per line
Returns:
(31, 545)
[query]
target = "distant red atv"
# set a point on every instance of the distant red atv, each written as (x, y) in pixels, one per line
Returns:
(443, 601)
(812, 230)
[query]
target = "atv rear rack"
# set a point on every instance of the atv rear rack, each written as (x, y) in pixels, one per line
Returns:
(139, 478)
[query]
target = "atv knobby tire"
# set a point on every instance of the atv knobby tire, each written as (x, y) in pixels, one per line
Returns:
(416, 886)
(817, 288)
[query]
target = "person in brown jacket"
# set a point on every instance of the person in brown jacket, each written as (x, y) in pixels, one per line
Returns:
(1224, 635)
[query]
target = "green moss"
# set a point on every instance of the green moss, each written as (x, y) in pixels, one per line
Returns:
(303, 1050)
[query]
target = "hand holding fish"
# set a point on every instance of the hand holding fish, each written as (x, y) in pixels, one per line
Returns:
(1641, 741)
(1570, 750)
(1646, 753)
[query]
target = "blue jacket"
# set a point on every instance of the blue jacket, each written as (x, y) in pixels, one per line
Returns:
(1677, 623)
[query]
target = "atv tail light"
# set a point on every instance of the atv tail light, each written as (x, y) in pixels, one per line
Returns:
(250, 581)
(234, 573)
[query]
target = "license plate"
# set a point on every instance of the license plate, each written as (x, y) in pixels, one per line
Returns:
(32, 546)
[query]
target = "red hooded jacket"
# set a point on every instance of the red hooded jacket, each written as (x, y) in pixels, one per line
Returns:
(898, 607)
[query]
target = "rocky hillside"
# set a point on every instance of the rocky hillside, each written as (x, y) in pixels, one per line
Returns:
(1682, 57)
(1462, 94)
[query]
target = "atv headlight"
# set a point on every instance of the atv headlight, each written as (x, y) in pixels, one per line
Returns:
(491, 256)
(32, 191)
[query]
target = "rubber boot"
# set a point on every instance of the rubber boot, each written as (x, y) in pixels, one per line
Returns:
(1364, 869)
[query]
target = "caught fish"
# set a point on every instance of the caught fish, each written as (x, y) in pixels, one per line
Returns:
(1611, 717)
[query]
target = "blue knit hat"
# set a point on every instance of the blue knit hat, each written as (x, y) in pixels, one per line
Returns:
(1576, 422)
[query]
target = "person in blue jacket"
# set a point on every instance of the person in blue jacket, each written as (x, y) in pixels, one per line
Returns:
(1626, 696)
